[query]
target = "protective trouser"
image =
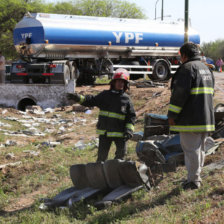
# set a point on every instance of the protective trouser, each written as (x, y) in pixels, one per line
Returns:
(193, 145)
(104, 147)
(2, 76)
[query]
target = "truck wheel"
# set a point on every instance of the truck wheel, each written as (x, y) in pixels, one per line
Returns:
(66, 74)
(160, 71)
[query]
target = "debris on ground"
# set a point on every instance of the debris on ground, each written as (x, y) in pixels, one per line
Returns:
(147, 84)
(80, 145)
(10, 165)
(114, 179)
(67, 127)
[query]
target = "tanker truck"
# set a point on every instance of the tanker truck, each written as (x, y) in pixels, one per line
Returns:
(57, 48)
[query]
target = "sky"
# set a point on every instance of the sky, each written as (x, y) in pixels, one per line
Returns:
(206, 16)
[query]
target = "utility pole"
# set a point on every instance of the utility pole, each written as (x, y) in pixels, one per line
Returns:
(162, 11)
(155, 8)
(186, 19)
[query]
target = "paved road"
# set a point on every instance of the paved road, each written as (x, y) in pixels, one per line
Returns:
(219, 75)
(219, 86)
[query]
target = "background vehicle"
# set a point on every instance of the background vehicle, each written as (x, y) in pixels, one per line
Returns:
(56, 48)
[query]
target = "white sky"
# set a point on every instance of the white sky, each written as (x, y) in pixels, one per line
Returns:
(207, 16)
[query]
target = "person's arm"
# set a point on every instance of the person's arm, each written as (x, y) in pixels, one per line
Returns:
(180, 93)
(88, 100)
(129, 121)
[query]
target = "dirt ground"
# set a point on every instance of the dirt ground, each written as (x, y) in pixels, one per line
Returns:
(146, 100)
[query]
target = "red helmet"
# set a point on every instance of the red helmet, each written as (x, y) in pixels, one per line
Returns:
(121, 73)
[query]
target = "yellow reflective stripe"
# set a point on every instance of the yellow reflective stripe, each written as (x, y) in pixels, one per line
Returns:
(196, 128)
(103, 113)
(82, 99)
(130, 126)
(112, 114)
(175, 108)
(115, 115)
(100, 132)
(115, 134)
(202, 90)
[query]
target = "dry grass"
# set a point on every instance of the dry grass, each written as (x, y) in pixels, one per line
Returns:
(48, 173)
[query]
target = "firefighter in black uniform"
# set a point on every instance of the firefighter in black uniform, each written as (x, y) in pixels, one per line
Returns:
(116, 116)
(191, 110)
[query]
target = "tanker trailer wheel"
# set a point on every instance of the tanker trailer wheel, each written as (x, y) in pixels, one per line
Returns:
(66, 74)
(160, 72)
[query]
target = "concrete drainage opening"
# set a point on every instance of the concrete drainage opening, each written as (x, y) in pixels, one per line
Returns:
(24, 103)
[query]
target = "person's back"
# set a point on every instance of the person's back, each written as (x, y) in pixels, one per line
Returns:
(191, 110)
(195, 111)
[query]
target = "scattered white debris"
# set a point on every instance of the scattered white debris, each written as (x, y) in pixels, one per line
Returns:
(10, 164)
(49, 110)
(10, 143)
(10, 156)
(4, 111)
(80, 145)
(32, 152)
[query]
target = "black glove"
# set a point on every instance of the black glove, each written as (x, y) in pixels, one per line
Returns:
(127, 136)
(73, 96)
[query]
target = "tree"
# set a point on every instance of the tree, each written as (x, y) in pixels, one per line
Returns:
(214, 49)
(11, 11)
(109, 8)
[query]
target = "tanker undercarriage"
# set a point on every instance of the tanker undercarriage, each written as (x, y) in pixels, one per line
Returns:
(85, 70)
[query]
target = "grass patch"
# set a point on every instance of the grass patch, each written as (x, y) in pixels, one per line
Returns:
(102, 80)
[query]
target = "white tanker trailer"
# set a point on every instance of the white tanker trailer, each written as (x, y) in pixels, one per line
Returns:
(55, 48)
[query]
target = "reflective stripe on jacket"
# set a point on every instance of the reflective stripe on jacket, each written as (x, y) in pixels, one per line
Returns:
(191, 103)
(116, 115)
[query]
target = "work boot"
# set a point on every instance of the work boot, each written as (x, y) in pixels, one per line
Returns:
(191, 185)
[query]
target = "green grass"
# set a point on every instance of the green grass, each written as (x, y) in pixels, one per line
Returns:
(103, 80)
(47, 174)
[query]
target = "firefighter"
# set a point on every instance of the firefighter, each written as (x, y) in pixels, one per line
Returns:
(191, 110)
(116, 116)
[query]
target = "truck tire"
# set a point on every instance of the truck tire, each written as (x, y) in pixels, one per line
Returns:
(160, 72)
(66, 74)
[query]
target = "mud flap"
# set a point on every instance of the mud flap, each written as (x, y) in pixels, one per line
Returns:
(122, 177)
(117, 194)
(88, 179)
(94, 176)
(62, 197)
(128, 174)
(83, 194)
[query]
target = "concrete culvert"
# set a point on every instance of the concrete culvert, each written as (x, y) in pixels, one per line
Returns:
(24, 103)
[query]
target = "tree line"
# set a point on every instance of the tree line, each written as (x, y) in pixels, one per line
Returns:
(214, 49)
(12, 11)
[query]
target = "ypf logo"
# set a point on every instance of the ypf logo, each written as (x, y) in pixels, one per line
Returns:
(25, 35)
(128, 36)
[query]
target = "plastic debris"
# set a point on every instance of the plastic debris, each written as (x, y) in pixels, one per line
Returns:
(80, 145)
(10, 165)
(10, 143)
(10, 156)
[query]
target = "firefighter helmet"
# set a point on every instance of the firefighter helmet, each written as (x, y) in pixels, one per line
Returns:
(121, 73)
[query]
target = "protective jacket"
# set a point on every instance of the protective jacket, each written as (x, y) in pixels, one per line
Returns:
(116, 115)
(191, 103)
